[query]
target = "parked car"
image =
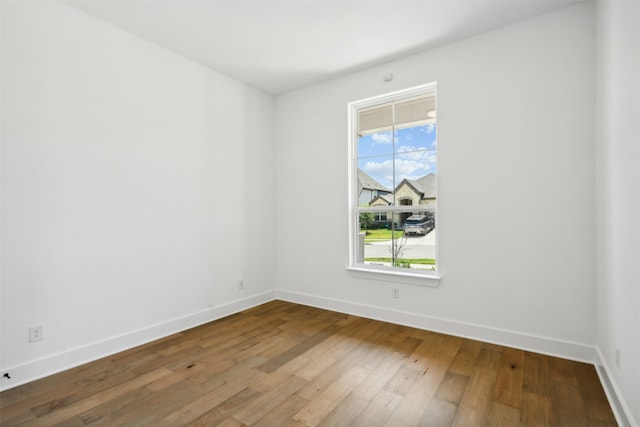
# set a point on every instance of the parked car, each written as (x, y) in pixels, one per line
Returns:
(418, 224)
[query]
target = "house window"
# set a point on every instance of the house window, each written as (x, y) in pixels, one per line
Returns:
(392, 151)
(380, 216)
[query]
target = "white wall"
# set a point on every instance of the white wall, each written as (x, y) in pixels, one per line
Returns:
(618, 172)
(131, 179)
(516, 188)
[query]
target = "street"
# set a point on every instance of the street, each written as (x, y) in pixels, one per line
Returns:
(415, 247)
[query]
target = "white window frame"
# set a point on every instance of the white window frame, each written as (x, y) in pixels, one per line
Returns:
(380, 272)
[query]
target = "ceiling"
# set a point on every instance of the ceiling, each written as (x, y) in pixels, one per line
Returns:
(280, 46)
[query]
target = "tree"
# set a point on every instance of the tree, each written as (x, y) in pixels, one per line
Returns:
(366, 218)
(397, 250)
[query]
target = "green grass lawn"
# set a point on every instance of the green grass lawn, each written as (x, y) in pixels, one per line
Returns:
(424, 261)
(382, 234)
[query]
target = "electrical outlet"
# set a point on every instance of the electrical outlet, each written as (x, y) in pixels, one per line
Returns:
(395, 292)
(35, 333)
(618, 358)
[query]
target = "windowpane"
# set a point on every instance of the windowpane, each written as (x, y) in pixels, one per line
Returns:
(390, 244)
(395, 146)
(415, 151)
(375, 144)
(415, 165)
(376, 176)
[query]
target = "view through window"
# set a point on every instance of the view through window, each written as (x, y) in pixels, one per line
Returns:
(394, 181)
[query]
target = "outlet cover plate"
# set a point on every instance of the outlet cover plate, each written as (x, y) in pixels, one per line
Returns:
(35, 333)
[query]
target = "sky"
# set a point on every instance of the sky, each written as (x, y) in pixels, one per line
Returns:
(414, 151)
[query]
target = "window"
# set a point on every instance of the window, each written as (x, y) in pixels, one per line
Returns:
(380, 216)
(392, 151)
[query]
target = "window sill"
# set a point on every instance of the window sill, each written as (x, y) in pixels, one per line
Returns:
(431, 279)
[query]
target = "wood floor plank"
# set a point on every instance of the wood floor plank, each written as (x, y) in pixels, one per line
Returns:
(562, 371)
(221, 412)
(473, 408)
(178, 376)
(439, 413)
(378, 411)
(402, 380)
(593, 394)
(297, 350)
(284, 364)
(452, 387)
(283, 413)
(421, 357)
(229, 422)
(407, 345)
(389, 363)
(411, 408)
(536, 410)
(71, 422)
(536, 374)
(331, 374)
(224, 339)
(275, 379)
(67, 392)
(508, 387)
(465, 360)
(178, 358)
(345, 412)
(567, 405)
(212, 376)
(266, 402)
(321, 358)
(108, 412)
(16, 419)
(394, 334)
(501, 415)
(322, 372)
(269, 308)
(93, 400)
(119, 411)
(207, 401)
(317, 409)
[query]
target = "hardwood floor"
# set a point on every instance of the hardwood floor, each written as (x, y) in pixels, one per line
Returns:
(284, 364)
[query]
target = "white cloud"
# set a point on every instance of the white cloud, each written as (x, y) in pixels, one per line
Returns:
(409, 152)
(380, 170)
(404, 168)
(430, 127)
(408, 168)
(382, 138)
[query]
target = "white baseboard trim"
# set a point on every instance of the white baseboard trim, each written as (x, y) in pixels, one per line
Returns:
(537, 344)
(36, 369)
(621, 410)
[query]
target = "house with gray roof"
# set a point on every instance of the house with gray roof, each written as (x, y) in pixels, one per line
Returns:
(410, 192)
(369, 188)
(419, 192)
